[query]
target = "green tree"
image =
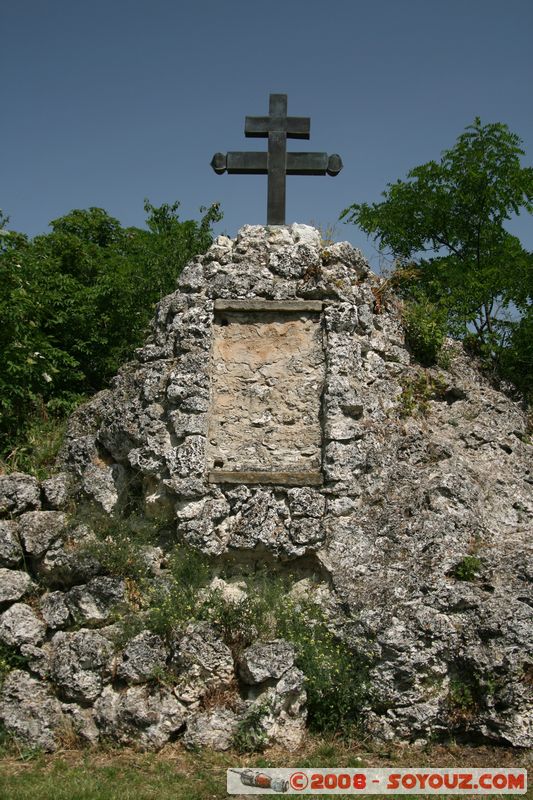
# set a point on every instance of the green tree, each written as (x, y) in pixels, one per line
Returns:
(445, 228)
(75, 303)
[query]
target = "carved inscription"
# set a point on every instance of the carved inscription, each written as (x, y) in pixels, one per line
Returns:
(267, 376)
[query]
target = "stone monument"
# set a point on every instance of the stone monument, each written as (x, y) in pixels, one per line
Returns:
(271, 420)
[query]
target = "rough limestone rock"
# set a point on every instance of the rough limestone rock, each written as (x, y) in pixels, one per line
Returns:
(266, 660)
(143, 657)
(30, 712)
(107, 485)
(214, 729)
(19, 625)
(56, 491)
(141, 716)
(68, 561)
(54, 610)
(38, 529)
(81, 664)
(204, 661)
(14, 584)
(82, 723)
(11, 553)
(400, 500)
(286, 714)
(18, 493)
(94, 602)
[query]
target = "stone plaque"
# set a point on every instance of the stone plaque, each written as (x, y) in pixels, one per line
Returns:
(267, 374)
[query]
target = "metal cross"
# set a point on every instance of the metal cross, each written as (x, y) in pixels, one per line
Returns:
(277, 163)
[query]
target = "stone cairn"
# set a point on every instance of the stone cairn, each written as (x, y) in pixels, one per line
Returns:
(276, 418)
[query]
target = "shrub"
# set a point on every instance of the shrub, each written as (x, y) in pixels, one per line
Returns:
(425, 327)
(465, 698)
(336, 677)
(515, 357)
(179, 599)
(75, 303)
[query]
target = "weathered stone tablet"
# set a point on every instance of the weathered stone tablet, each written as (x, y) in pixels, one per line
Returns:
(267, 377)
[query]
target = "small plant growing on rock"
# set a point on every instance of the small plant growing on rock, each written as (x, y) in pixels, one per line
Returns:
(328, 232)
(162, 676)
(461, 696)
(10, 659)
(468, 568)
(251, 736)
(118, 547)
(336, 678)
(239, 623)
(189, 568)
(178, 600)
(418, 391)
(463, 700)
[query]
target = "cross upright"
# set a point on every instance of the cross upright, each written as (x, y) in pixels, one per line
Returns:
(277, 126)
(277, 163)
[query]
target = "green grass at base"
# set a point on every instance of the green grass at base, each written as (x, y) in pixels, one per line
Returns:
(176, 774)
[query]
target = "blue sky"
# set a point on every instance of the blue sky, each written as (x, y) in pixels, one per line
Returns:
(106, 103)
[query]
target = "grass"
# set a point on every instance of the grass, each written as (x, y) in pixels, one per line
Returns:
(36, 451)
(177, 774)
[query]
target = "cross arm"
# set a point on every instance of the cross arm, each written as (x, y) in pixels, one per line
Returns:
(293, 127)
(252, 163)
(313, 164)
(242, 163)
